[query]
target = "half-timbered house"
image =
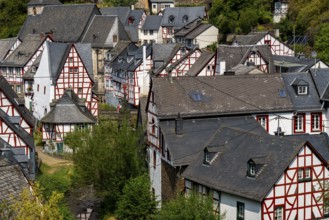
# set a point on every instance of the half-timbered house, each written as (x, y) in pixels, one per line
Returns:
(22, 60)
(16, 129)
(63, 66)
(129, 75)
(264, 38)
(66, 114)
(7, 46)
(35, 7)
(177, 17)
(228, 56)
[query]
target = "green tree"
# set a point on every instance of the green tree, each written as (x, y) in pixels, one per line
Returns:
(137, 201)
(322, 43)
(115, 3)
(28, 206)
(108, 157)
(193, 207)
(12, 16)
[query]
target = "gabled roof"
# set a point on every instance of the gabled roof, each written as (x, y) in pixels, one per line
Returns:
(241, 69)
(24, 52)
(321, 80)
(200, 63)
(238, 54)
(220, 95)
(162, 54)
(43, 2)
(5, 45)
(249, 39)
(12, 180)
(152, 22)
(132, 32)
(18, 104)
(136, 16)
(66, 23)
(228, 172)
(302, 102)
(120, 47)
(69, 109)
(192, 30)
(58, 53)
(177, 17)
(98, 32)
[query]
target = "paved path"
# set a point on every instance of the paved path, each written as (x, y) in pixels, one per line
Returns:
(51, 161)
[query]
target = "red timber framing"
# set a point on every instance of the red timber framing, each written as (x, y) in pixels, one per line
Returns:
(263, 121)
(74, 75)
(185, 65)
(54, 132)
(209, 69)
(11, 111)
(173, 60)
(301, 188)
(8, 135)
(167, 33)
(277, 47)
(258, 60)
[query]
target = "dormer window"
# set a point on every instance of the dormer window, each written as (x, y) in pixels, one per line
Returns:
(255, 165)
(131, 20)
(302, 90)
(185, 18)
(210, 154)
(129, 59)
(171, 19)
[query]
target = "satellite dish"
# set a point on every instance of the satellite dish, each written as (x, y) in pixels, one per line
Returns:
(314, 53)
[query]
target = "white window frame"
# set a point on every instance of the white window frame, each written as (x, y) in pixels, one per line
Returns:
(302, 90)
(278, 213)
(299, 123)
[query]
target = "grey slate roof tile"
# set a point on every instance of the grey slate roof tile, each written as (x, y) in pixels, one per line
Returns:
(220, 95)
(152, 22)
(121, 12)
(192, 30)
(200, 63)
(228, 172)
(67, 23)
(302, 102)
(294, 63)
(99, 29)
(178, 13)
(5, 45)
(236, 54)
(321, 80)
(24, 52)
(69, 110)
(43, 2)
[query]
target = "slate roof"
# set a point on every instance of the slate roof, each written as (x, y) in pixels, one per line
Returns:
(192, 30)
(120, 47)
(121, 61)
(67, 23)
(18, 104)
(192, 13)
(293, 63)
(227, 173)
(200, 63)
(121, 12)
(24, 52)
(249, 39)
(132, 32)
(241, 69)
(69, 109)
(237, 54)
(219, 95)
(162, 54)
(136, 15)
(12, 180)
(43, 2)
(99, 29)
(58, 53)
(302, 102)
(321, 81)
(5, 45)
(152, 22)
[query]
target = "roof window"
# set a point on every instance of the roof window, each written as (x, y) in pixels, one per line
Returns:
(171, 19)
(185, 18)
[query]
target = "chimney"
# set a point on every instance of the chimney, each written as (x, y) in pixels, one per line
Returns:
(132, 7)
(179, 125)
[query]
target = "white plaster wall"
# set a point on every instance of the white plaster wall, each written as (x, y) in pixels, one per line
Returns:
(228, 206)
(207, 37)
(42, 78)
(156, 36)
(155, 172)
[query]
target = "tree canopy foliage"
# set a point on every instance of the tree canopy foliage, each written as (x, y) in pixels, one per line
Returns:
(107, 156)
(193, 207)
(240, 16)
(137, 201)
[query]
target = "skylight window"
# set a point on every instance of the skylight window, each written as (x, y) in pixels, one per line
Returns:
(282, 93)
(196, 96)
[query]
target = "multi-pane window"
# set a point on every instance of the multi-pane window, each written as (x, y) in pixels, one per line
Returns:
(151, 32)
(18, 89)
(299, 123)
(267, 42)
(145, 32)
(263, 121)
(73, 70)
(302, 90)
(278, 213)
(316, 122)
(304, 174)
(240, 211)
